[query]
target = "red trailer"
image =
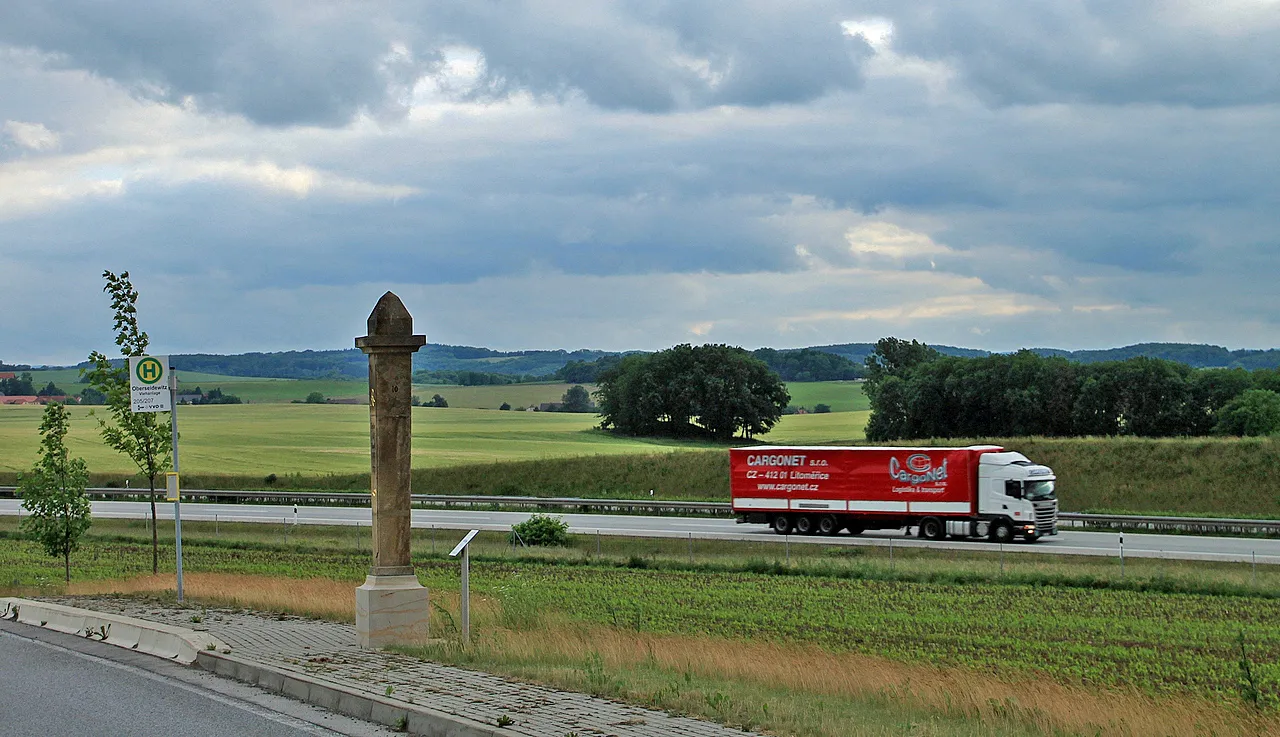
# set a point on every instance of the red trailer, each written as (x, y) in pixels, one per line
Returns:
(974, 491)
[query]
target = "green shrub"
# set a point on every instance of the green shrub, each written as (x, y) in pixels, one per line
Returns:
(1255, 412)
(540, 529)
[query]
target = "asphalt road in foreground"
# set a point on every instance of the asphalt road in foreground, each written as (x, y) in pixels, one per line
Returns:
(1184, 547)
(58, 684)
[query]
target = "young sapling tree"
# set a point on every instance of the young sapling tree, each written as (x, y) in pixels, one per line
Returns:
(139, 435)
(53, 492)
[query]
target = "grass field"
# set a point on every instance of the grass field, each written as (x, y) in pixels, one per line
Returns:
(928, 643)
(842, 396)
(249, 389)
(321, 439)
(311, 440)
(475, 451)
(551, 454)
(518, 396)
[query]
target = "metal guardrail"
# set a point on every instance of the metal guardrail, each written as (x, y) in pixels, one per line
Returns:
(443, 500)
(1204, 525)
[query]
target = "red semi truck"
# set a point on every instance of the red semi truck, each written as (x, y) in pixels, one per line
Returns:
(978, 491)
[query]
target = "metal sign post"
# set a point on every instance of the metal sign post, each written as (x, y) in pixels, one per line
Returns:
(174, 491)
(464, 548)
(154, 388)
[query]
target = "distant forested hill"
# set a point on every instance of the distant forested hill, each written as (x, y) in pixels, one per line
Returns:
(352, 364)
(1196, 356)
(858, 352)
(819, 363)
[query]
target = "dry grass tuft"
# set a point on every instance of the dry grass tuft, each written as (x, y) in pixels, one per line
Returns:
(321, 598)
(1045, 705)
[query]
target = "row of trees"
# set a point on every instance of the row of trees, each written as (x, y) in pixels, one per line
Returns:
(23, 385)
(712, 391)
(808, 364)
(916, 392)
(213, 396)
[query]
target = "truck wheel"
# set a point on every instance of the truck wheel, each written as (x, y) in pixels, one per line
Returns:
(805, 525)
(1001, 532)
(827, 525)
(782, 524)
(931, 528)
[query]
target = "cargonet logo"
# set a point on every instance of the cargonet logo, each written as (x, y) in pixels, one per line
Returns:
(917, 469)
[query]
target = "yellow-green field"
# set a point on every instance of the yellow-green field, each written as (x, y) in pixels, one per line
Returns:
(323, 439)
(841, 396)
(518, 396)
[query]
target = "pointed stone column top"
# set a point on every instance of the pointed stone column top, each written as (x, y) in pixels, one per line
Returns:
(390, 326)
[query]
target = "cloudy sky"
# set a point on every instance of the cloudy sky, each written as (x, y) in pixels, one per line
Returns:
(630, 175)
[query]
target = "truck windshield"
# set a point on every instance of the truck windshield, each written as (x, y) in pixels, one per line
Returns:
(1037, 490)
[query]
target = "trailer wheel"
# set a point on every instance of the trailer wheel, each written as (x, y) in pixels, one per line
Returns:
(827, 525)
(782, 524)
(805, 525)
(1001, 532)
(931, 528)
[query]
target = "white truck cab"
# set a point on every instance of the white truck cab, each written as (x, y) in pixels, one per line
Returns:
(1014, 491)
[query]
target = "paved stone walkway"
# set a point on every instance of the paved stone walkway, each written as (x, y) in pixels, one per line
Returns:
(329, 650)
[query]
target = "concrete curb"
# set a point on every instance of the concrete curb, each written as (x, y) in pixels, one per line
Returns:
(207, 652)
(343, 699)
(164, 641)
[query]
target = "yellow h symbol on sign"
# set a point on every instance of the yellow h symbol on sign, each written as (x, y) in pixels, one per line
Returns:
(149, 370)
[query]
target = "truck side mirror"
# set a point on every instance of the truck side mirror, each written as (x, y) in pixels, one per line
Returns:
(1013, 489)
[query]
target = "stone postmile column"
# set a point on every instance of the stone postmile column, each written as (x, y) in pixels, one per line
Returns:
(391, 606)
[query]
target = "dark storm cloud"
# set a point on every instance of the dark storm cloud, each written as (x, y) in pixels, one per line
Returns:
(322, 62)
(284, 62)
(1106, 51)
(659, 56)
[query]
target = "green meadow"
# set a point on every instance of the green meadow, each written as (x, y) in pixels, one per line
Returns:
(314, 440)
(841, 396)
(466, 450)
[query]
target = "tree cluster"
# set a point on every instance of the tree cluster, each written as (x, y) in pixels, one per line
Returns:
(21, 385)
(214, 396)
(585, 372)
(576, 399)
(916, 392)
(710, 391)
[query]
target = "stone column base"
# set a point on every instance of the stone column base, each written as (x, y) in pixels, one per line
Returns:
(391, 610)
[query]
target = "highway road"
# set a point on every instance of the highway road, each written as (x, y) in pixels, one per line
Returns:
(1183, 547)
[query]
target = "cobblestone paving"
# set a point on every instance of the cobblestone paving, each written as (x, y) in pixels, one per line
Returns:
(328, 650)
